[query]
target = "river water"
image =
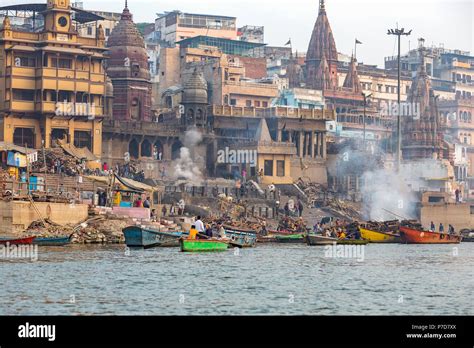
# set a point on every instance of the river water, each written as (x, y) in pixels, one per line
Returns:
(274, 279)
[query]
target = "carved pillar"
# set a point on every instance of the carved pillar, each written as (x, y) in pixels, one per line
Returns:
(324, 146)
(301, 140)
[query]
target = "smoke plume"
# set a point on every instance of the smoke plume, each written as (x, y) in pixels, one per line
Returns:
(185, 166)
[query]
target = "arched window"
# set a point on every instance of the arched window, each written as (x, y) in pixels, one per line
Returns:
(133, 149)
(176, 150)
(135, 109)
(190, 116)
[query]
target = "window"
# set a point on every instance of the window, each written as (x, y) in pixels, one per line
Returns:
(61, 63)
(24, 136)
(25, 61)
(248, 103)
(233, 102)
(64, 96)
(89, 31)
(268, 168)
(265, 104)
(257, 103)
(280, 168)
(107, 32)
(83, 139)
(23, 94)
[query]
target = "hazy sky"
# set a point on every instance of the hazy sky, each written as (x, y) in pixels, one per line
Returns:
(449, 22)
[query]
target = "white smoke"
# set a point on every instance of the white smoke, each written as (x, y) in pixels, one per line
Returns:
(185, 166)
(386, 192)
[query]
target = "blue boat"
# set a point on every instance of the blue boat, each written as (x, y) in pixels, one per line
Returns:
(241, 239)
(54, 241)
(138, 237)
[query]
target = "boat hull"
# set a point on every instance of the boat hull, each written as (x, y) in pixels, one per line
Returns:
(296, 238)
(412, 236)
(322, 240)
(202, 245)
(17, 241)
(379, 237)
(241, 239)
(137, 237)
(60, 241)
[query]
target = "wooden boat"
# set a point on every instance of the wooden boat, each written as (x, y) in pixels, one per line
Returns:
(16, 241)
(293, 238)
(412, 236)
(54, 241)
(315, 239)
(203, 245)
(138, 237)
(241, 239)
(379, 237)
(266, 239)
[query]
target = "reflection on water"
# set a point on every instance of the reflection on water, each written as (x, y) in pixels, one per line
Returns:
(267, 280)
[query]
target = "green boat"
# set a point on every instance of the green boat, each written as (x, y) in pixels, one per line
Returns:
(291, 238)
(203, 245)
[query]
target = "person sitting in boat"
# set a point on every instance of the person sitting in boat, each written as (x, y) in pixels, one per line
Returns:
(342, 235)
(208, 231)
(193, 232)
(221, 231)
(451, 229)
(200, 225)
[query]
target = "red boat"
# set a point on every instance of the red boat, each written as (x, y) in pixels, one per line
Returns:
(19, 241)
(412, 236)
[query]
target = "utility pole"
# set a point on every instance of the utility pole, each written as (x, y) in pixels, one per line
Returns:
(363, 119)
(399, 33)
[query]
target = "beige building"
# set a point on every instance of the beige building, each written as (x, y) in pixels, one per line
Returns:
(172, 27)
(53, 81)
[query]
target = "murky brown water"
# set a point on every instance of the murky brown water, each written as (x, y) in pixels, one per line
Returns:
(267, 280)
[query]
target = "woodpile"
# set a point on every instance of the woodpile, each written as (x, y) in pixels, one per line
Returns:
(293, 225)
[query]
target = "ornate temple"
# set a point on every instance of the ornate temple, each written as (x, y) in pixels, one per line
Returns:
(322, 57)
(423, 132)
(128, 69)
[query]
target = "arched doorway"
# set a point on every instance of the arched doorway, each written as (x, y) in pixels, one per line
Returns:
(158, 150)
(133, 148)
(146, 148)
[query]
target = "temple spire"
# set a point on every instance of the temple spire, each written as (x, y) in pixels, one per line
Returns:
(126, 3)
(322, 6)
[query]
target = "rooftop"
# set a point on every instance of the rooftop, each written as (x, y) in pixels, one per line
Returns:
(227, 46)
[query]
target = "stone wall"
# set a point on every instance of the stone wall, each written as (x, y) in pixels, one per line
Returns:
(16, 216)
(459, 215)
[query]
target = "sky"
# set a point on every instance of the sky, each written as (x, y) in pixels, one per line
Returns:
(446, 22)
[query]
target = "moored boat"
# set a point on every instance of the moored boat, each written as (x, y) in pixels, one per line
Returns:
(53, 241)
(413, 236)
(16, 241)
(241, 239)
(379, 237)
(314, 239)
(139, 237)
(203, 245)
(292, 238)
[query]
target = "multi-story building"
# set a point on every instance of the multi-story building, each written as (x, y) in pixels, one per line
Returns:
(53, 81)
(175, 26)
(252, 33)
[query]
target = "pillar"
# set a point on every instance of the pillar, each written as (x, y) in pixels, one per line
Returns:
(324, 145)
(311, 144)
(300, 150)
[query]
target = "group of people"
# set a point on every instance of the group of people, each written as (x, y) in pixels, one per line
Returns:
(205, 231)
(296, 211)
(441, 228)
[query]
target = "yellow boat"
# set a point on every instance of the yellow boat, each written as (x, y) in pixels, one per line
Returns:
(379, 237)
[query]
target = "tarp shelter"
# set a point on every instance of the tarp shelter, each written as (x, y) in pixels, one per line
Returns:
(84, 153)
